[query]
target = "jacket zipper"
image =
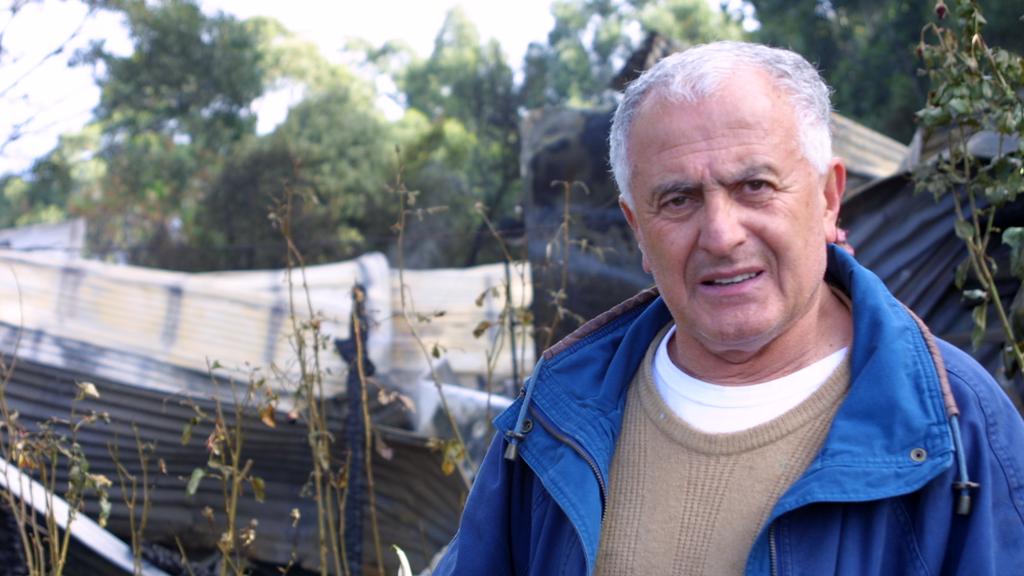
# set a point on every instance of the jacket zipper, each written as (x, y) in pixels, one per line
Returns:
(572, 443)
(773, 553)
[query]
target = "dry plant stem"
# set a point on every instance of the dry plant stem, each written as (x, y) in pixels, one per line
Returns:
(977, 252)
(65, 544)
(233, 474)
(433, 371)
(38, 539)
(964, 46)
(16, 505)
(407, 311)
(184, 557)
(368, 437)
(146, 500)
(342, 497)
(313, 422)
(62, 544)
(129, 493)
(129, 486)
(51, 520)
(564, 278)
(317, 421)
(988, 56)
(507, 311)
(311, 384)
(230, 526)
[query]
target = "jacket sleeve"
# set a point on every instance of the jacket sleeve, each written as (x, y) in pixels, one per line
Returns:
(485, 543)
(988, 540)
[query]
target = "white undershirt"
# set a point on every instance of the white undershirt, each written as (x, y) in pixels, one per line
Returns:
(720, 409)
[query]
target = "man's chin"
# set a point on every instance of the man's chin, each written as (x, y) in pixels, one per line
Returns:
(735, 346)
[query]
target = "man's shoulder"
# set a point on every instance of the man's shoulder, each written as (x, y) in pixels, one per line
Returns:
(622, 314)
(992, 428)
(970, 382)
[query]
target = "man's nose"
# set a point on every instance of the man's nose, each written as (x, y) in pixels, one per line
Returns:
(721, 229)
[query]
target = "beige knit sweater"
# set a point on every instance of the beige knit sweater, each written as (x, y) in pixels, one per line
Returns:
(682, 501)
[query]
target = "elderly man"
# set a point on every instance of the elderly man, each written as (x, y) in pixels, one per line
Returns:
(769, 408)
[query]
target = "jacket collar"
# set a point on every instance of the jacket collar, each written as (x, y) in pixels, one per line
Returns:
(581, 381)
(890, 436)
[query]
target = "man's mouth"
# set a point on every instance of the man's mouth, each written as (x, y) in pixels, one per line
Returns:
(730, 280)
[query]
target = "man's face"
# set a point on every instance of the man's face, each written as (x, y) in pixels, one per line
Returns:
(731, 218)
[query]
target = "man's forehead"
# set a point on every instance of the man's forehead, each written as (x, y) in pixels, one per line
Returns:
(730, 80)
(737, 105)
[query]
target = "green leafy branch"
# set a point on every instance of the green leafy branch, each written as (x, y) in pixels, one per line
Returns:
(976, 88)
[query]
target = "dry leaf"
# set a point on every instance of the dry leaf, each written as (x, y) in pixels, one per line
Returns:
(267, 416)
(259, 488)
(386, 452)
(87, 390)
(481, 328)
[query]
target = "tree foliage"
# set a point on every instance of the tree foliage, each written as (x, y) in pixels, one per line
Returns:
(592, 39)
(56, 184)
(168, 113)
(866, 50)
(172, 173)
(462, 146)
(190, 76)
(186, 182)
(977, 91)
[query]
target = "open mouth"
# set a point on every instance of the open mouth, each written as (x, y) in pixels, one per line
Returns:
(731, 279)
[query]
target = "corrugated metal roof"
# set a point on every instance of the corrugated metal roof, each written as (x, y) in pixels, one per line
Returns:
(113, 554)
(867, 153)
(908, 240)
(241, 319)
(184, 320)
(417, 504)
(145, 338)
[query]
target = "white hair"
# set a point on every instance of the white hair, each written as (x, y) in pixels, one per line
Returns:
(696, 73)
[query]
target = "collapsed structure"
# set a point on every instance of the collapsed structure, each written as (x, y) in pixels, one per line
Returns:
(159, 346)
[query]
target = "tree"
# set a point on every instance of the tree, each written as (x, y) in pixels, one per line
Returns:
(332, 154)
(866, 51)
(462, 143)
(169, 112)
(688, 21)
(190, 76)
(56, 184)
(592, 39)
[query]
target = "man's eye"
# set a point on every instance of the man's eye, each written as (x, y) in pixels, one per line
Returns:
(757, 186)
(676, 201)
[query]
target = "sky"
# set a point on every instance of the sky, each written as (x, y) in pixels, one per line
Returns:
(54, 98)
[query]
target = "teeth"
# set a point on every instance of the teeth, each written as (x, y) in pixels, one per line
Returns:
(733, 280)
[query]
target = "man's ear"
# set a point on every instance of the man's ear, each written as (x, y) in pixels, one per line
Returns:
(627, 211)
(835, 187)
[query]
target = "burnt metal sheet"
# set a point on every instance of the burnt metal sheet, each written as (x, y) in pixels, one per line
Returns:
(907, 239)
(418, 505)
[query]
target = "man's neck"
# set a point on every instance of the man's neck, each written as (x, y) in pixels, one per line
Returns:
(824, 329)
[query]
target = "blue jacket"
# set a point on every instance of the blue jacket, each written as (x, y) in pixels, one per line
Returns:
(881, 497)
